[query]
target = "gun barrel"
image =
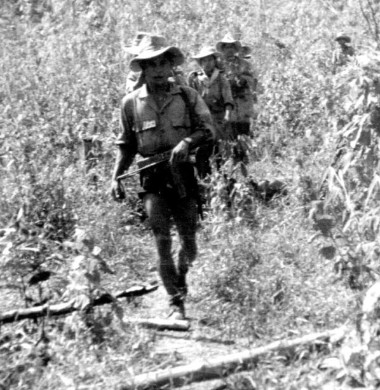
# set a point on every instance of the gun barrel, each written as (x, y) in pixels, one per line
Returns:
(146, 166)
(129, 174)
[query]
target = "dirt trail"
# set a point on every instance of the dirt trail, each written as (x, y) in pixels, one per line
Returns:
(200, 342)
(174, 348)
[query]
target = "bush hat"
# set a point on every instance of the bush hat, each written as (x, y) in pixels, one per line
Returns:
(205, 52)
(152, 46)
(134, 47)
(343, 37)
(228, 39)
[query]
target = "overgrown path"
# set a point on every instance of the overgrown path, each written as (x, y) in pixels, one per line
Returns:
(215, 333)
(204, 340)
(201, 343)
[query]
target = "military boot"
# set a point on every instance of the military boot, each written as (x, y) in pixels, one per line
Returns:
(177, 307)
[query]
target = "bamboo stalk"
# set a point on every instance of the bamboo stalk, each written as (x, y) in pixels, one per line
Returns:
(221, 366)
(60, 309)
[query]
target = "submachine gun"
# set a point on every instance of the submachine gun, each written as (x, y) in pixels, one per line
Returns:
(157, 159)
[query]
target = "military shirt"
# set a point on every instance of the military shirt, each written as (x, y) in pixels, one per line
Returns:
(243, 80)
(342, 56)
(216, 92)
(147, 129)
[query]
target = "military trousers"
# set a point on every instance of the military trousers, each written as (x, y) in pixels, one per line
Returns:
(161, 211)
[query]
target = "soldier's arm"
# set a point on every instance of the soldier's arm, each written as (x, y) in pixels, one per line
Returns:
(226, 93)
(204, 129)
(126, 141)
(228, 100)
(249, 75)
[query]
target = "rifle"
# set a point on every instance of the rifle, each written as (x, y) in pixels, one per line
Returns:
(152, 161)
(157, 159)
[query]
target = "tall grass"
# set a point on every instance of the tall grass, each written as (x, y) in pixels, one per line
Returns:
(261, 273)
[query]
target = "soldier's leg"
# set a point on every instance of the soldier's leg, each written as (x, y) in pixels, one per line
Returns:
(185, 217)
(158, 212)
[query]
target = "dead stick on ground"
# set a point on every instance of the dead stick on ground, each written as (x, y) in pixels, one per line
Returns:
(221, 366)
(160, 324)
(60, 309)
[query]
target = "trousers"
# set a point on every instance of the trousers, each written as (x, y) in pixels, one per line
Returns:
(161, 210)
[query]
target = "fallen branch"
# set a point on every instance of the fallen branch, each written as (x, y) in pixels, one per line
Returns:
(160, 324)
(60, 309)
(221, 366)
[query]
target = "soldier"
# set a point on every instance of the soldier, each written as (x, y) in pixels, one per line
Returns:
(344, 53)
(215, 90)
(243, 81)
(157, 118)
(135, 79)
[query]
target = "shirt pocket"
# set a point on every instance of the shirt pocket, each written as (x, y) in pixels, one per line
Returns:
(147, 136)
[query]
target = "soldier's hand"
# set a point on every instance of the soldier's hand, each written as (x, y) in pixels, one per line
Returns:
(117, 191)
(227, 116)
(242, 82)
(180, 152)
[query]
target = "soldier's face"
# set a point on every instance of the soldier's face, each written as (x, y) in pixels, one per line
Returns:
(229, 50)
(341, 42)
(207, 64)
(157, 70)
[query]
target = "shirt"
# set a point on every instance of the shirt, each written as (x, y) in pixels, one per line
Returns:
(243, 80)
(215, 90)
(147, 129)
(342, 56)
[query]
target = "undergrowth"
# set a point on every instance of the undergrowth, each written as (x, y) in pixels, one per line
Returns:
(289, 242)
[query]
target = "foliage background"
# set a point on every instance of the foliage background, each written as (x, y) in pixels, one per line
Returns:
(63, 67)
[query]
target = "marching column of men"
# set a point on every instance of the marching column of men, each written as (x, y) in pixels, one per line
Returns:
(166, 114)
(161, 113)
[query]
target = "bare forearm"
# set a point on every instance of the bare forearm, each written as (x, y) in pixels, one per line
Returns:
(198, 137)
(123, 161)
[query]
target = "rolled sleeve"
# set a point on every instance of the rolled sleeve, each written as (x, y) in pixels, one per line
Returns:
(126, 135)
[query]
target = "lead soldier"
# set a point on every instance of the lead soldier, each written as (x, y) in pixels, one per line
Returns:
(135, 79)
(158, 117)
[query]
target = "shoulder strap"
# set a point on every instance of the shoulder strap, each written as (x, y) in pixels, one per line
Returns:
(189, 106)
